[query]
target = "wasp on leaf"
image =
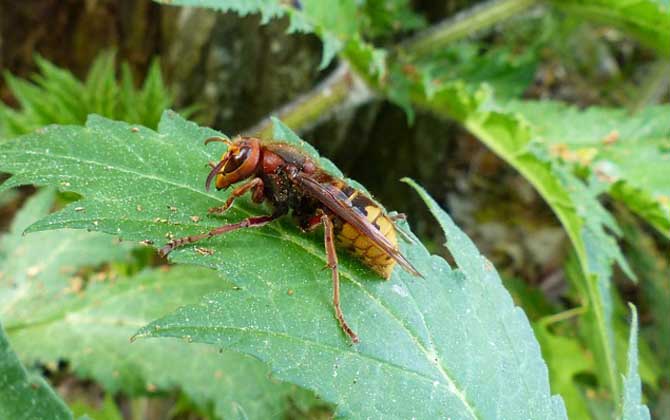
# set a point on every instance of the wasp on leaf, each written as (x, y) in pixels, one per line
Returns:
(290, 180)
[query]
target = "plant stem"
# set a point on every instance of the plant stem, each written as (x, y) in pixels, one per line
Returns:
(562, 316)
(463, 24)
(342, 89)
(655, 85)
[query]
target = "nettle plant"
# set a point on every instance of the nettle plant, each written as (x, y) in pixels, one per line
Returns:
(449, 345)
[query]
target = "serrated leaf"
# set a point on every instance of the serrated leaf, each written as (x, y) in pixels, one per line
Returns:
(629, 153)
(57, 97)
(94, 323)
(334, 21)
(458, 344)
(647, 20)
(632, 387)
(101, 87)
(24, 395)
(108, 411)
(586, 222)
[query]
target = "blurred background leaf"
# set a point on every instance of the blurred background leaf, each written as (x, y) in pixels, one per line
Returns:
(25, 395)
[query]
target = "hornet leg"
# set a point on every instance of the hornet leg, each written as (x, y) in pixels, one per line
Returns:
(256, 184)
(256, 221)
(332, 263)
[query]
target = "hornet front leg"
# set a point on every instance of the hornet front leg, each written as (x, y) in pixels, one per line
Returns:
(257, 196)
(255, 221)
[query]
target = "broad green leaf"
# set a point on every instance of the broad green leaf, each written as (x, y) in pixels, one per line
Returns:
(25, 395)
(43, 266)
(94, 322)
(632, 393)
(630, 153)
(575, 204)
(106, 316)
(647, 20)
(452, 343)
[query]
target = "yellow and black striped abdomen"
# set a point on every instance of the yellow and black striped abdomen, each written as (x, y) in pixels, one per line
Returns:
(348, 237)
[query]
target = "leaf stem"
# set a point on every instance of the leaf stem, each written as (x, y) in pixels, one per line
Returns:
(655, 85)
(342, 89)
(463, 24)
(563, 316)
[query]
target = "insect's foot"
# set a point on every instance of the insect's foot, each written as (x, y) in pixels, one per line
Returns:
(217, 210)
(163, 252)
(352, 335)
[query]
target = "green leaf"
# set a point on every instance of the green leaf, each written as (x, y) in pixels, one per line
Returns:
(575, 204)
(647, 20)
(458, 343)
(506, 71)
(43, 266)
(632, 386)
(334, 21)
(629, 153)
(106, 316)
(94, 322)
(25, 395)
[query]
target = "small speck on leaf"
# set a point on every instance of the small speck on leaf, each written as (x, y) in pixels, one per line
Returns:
(203, 251)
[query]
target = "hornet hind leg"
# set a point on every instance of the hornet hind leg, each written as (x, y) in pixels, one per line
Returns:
(332, 264)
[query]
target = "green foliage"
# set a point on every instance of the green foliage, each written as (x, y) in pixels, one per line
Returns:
(95, 316)
(56, 96)
(566, 358)
(575, 204)
(647, 20)
(44, 266)
(384, 18)
(334, 21)
(628, 153)
(25, 395)
(108, 410)
(280, 309)
(338, 23)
